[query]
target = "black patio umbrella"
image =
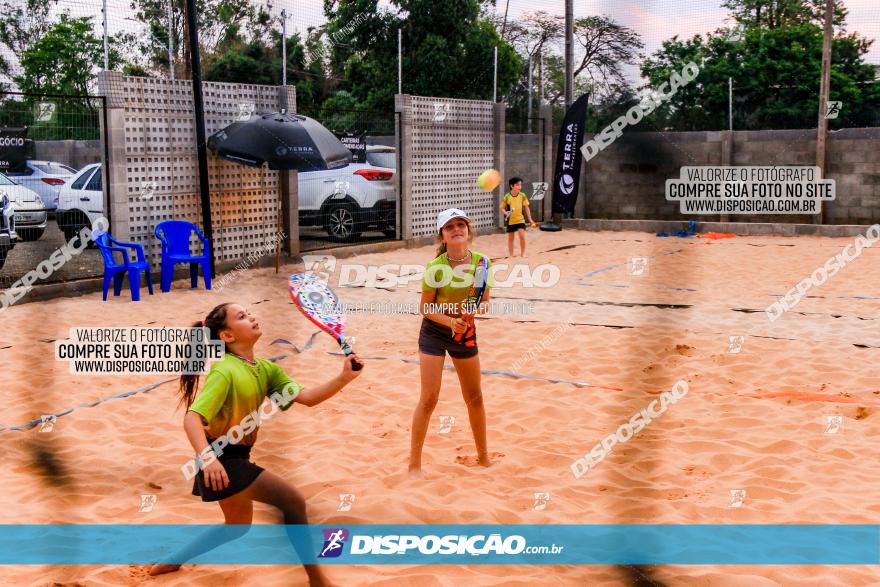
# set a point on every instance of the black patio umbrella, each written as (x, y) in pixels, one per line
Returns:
(284, 141)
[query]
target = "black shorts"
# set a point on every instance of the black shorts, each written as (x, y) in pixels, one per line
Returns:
(239, 468)
(437, 340)
(515, 227)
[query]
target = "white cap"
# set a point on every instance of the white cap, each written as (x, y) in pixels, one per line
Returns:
(446, 215)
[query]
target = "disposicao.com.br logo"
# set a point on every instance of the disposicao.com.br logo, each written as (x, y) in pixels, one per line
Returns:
(430, 544)
(392, 275)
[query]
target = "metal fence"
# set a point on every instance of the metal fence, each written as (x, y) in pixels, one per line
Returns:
(57, 191)
(360, 202)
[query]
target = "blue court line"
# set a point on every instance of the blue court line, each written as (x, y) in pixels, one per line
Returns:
(281, 341)
(445, 366)
(150, 387)
(624, 286)
(576, 281)
(610, 267)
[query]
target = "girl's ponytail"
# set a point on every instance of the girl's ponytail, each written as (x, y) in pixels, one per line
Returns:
(188, 383)
(215, 322)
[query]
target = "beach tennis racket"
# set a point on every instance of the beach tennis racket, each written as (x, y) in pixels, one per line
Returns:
(475, 296)
(317, 302)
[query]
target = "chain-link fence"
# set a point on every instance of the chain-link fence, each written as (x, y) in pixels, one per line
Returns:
(359, 202)
(53, 183)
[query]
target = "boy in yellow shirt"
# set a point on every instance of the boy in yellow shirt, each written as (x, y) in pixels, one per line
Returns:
(513, 205)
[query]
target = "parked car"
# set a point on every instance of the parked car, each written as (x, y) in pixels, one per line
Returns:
(30, 211)
(7, 228)
(80, 201)
(345, 201)
(45, 178)
(350, 200)
(382, 156)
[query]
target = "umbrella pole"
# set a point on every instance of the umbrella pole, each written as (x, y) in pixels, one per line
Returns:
(278, 223)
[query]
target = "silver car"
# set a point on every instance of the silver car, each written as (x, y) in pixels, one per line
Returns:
(7, 228)
(46, 178)
(30, 212)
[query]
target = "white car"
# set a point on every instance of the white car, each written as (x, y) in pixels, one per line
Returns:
(344, 201)
(350, 200)
(382, 155)
(30, 212)
(7, 229)
(80, 201)
(46, 178)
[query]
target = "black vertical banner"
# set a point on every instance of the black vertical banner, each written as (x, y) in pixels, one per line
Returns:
(566, 178)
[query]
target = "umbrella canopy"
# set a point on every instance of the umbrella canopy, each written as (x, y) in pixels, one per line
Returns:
(284, 141)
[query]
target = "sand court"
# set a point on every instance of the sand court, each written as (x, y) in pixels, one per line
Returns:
(779, 417)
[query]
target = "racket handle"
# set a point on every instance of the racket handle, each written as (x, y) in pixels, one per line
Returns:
(460, 335)
(354, 365)
(346, 348)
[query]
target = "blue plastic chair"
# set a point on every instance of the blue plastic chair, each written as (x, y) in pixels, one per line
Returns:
(174, 235)
(116, 271)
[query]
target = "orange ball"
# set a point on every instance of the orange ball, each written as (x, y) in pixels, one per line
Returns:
(489, 180)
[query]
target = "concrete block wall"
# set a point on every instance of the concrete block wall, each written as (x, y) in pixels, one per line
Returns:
(524, 158)
(627, 179)
(443, 151)
(153, 166)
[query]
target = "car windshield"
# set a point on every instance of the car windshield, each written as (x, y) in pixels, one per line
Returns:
(382, 158)
(54, 168)
(6, 181)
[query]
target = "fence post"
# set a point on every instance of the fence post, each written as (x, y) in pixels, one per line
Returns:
(500, 157)
(726, 159)
(113, 157)
(545, 112)
(403, 131)
(288, 183)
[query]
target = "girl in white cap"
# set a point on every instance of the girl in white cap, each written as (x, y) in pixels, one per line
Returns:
(445, 287)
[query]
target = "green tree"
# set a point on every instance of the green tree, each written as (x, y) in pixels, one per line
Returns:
(605, 49)
(773, 14)
(65, 60)
(23, 24)
(776, 74)
(219, 21)
(447, 50)
(258, 61)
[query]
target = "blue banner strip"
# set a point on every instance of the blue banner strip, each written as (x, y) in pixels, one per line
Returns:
(649, 544)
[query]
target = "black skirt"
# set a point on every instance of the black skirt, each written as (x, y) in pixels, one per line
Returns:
(239, 468)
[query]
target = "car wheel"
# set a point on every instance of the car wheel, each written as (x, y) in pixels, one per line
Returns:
(341, 225)
(71, 225)
(30, 234)
(390, 232)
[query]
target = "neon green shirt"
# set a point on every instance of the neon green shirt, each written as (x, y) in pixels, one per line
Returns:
(233, 389)
(456, 289)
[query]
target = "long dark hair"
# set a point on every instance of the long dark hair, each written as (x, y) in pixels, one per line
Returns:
(215, 321)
